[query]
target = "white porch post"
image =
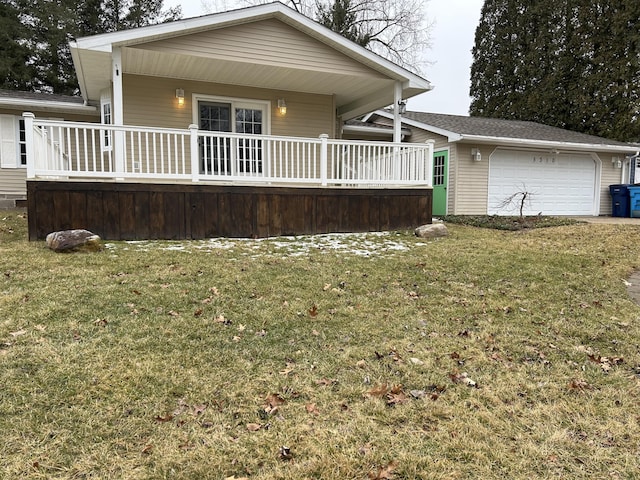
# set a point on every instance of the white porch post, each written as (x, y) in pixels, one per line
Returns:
(323, 159)
(431, 147)
(195, 167)
(118, 110)
(397, 121)
(30, 147)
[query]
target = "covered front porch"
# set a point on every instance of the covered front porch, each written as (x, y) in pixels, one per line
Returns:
(126, 182)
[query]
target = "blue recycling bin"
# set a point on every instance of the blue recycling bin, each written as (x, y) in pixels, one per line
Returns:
(634, 201)
(620, 200)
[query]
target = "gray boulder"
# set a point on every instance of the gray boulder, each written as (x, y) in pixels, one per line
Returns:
(74, 240)
(432, 231)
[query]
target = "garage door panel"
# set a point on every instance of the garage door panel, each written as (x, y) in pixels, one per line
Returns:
(561, 184)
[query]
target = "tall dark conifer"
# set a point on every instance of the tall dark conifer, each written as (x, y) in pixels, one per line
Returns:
(38, 34)
(568, 63)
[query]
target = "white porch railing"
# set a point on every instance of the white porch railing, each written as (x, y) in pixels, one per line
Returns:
(94, 151)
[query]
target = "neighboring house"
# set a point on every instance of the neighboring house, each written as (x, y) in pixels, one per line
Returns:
(227, 125)
(481, 162)
(13, 154)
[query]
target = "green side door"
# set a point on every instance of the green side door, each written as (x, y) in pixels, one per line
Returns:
(440, 168)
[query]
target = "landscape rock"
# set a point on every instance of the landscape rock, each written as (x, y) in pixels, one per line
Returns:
(432, 231)
(73, 241)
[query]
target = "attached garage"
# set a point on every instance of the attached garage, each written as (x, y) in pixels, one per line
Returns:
(556, 183)
(491, 159)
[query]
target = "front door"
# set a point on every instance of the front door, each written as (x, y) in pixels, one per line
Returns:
(440, 167)
(226, 155)
(215, 152)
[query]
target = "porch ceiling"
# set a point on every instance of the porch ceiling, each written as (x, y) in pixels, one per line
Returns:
(355, 93)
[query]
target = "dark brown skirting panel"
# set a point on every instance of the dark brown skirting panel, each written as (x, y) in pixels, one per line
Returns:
(142, 211)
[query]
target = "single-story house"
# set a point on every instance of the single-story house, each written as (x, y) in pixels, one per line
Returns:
(13, 151)
(479, 163)
(226, 125)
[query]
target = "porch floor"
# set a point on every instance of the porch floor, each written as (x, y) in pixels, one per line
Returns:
(141, 211)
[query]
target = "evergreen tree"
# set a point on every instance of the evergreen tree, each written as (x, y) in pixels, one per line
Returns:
(16, 71)
(40, 31)
(568, 63)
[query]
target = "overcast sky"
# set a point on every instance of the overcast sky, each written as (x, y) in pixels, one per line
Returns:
(452, 39)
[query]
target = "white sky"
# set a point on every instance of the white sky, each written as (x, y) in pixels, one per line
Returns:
(450, 54)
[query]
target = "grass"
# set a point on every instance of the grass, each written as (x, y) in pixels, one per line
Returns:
(487, 354)
(513, 223)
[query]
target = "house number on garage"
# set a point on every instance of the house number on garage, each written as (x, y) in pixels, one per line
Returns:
(544, 159)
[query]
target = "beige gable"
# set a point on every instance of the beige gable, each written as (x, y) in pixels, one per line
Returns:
(268, 42)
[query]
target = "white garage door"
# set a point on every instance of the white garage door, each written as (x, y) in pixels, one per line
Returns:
(559, 184)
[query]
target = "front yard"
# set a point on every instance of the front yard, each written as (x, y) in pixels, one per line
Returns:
(487, 354)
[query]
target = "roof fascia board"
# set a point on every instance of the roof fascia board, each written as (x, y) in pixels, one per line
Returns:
(505, 141)
(451, 136)
(47, 105)
(373, 130)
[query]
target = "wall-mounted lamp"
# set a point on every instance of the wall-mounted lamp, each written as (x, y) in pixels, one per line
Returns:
(180, 96)
(617, 162)
(282, 106)
(476, 156)
(402, 107)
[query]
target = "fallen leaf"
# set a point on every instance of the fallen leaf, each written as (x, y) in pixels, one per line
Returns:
(18, 333)
(378, 391)
(261, 333)
(174, 313)
(416, 361)
(361, 364)
(147, 449)
(236, 338)
(253, 427)
(313, 311)
(579, 385)
(285, 453)
(383, 473)
(463, 378)
(163, 419)
(312, 409)
(241, 328)
(198, 312)
(326, 287)
(199, 409)
(274, 401)
(214, 291)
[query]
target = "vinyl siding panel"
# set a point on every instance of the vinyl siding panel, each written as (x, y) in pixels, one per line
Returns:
(472, 180)
(268, 42)
(150, 101)
(610, 175)
(13, 181)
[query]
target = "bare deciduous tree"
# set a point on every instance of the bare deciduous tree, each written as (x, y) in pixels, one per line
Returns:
(397, 30)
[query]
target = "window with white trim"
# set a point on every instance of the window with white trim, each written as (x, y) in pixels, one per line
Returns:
(105, 118)
(22, 143)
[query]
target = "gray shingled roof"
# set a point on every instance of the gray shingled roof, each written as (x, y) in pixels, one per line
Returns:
(493, 127)
(42, 97)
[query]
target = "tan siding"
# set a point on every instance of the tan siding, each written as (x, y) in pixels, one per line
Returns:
(610, 176)
(269, 42)
(150, 101)
(13, 181)
(472, 180)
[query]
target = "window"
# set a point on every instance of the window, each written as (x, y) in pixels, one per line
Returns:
(439, 161)
(105, 117)
(13, 142)
(22, 143)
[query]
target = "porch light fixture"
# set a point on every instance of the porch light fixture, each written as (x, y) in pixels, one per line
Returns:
(617, 162)
(282, 106)
(476, 156)
(402, 107)
(180, 96)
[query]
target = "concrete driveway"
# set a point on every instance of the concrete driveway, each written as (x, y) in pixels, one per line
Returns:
(610, 220)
